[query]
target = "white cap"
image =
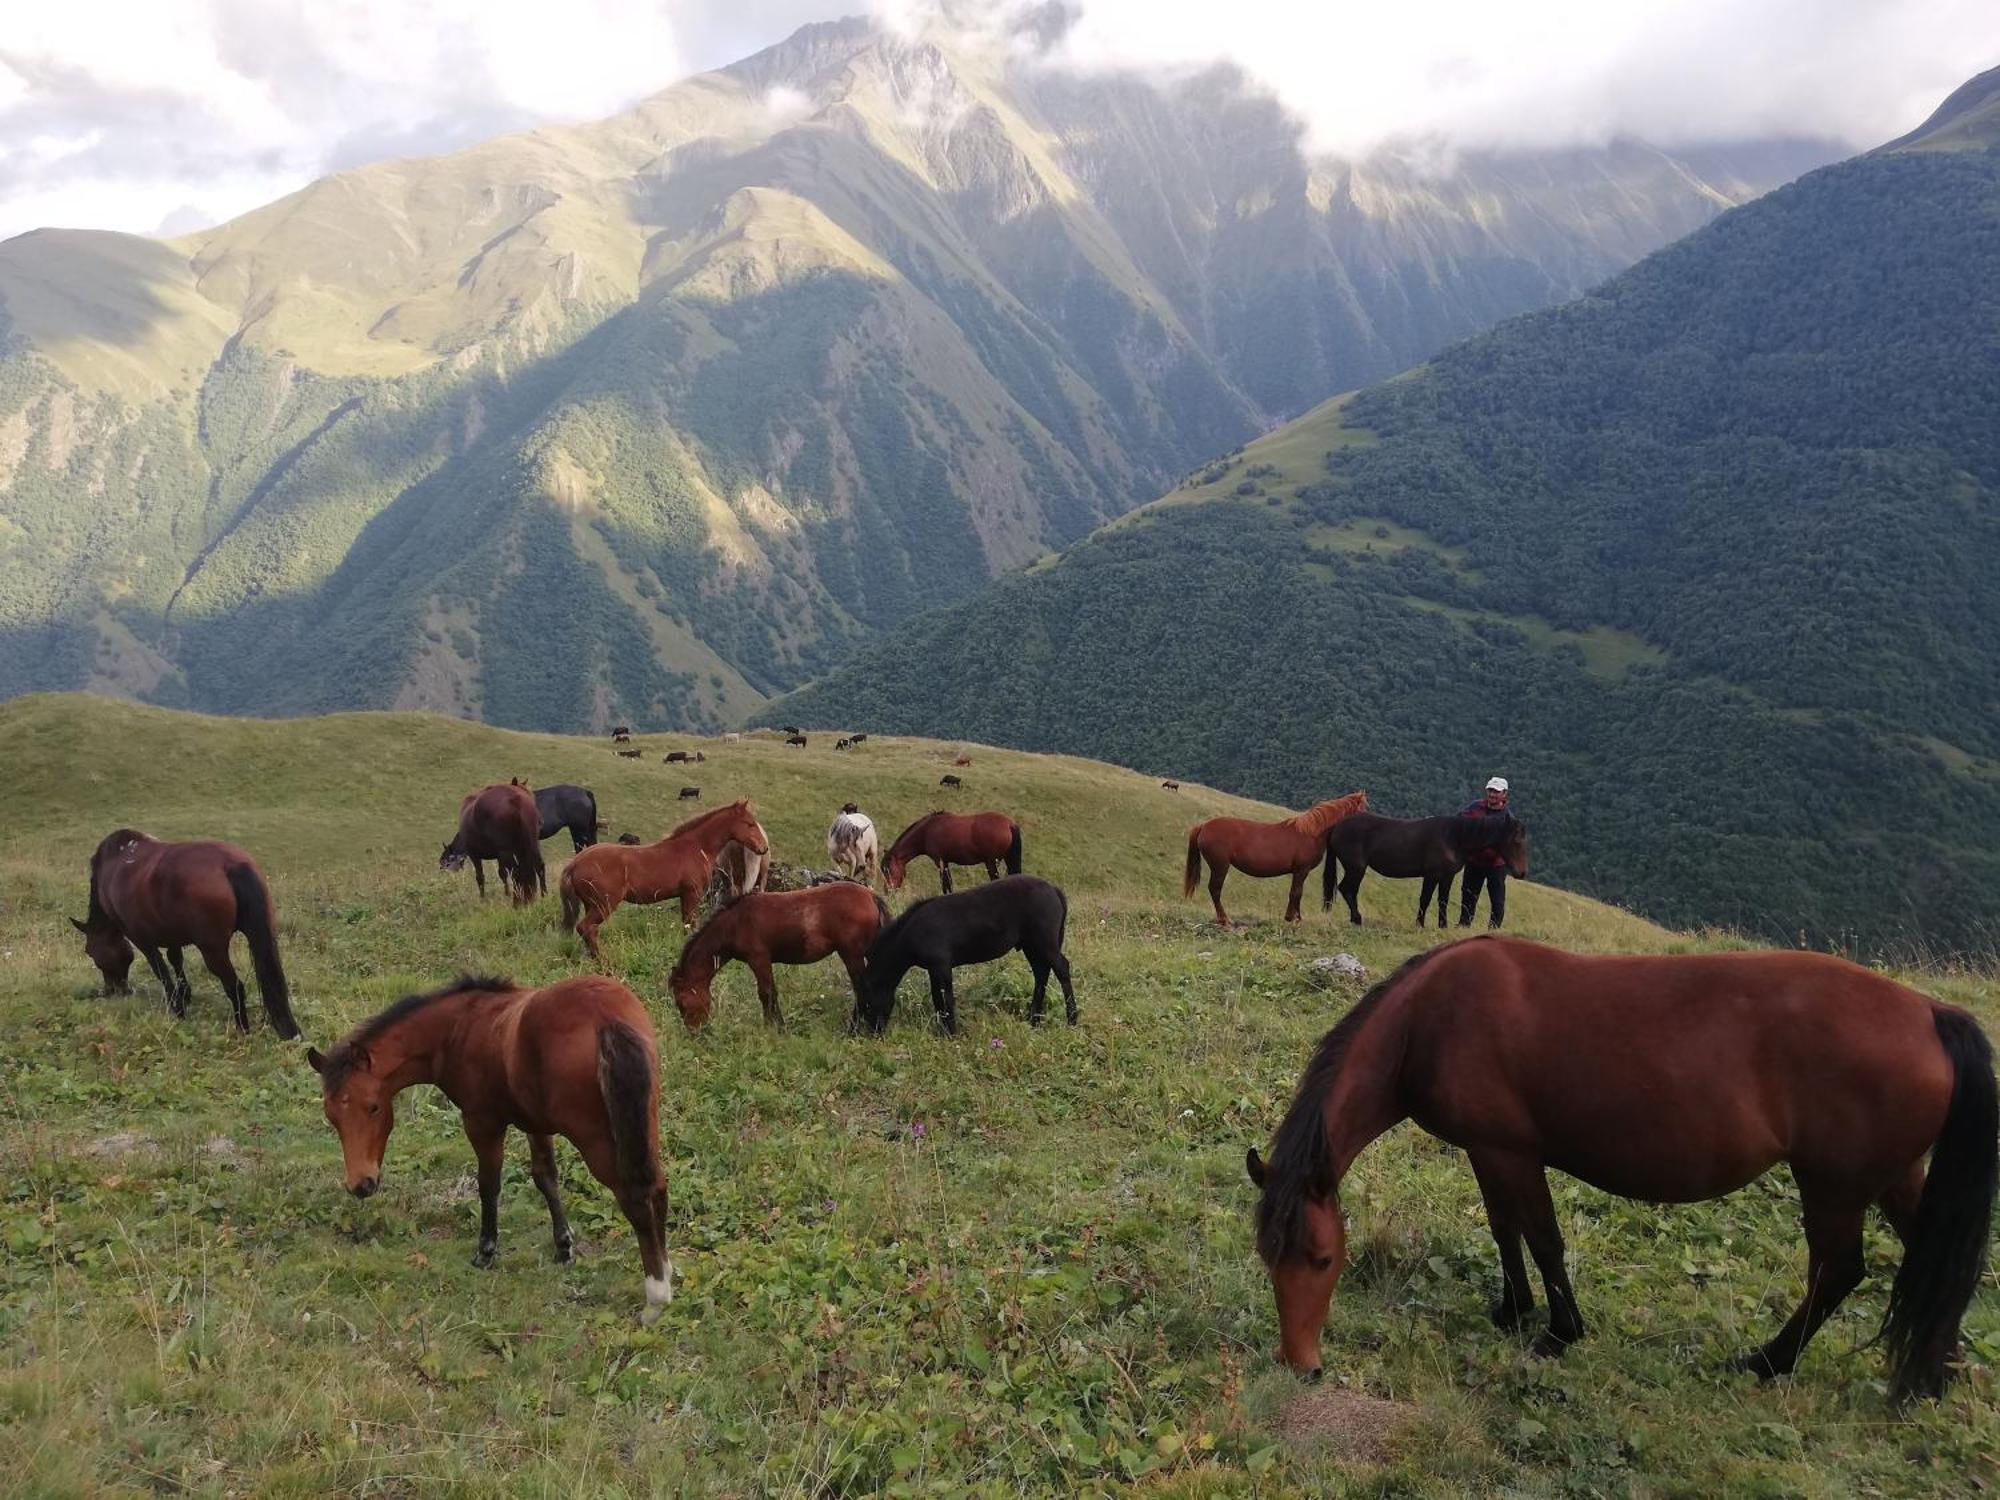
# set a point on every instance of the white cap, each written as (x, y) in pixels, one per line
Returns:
(1497, 784)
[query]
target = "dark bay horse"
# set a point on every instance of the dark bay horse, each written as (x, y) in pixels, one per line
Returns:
(161, 897)
(576, 1059)
(982, 838)
(1291, 846)
(571, 807)
(1670, 1080)
(1403, 848)
(500, 823)
(763, 928)
(604, 876)
(969, 927)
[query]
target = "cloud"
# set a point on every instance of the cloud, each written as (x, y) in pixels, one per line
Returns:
(122, 113)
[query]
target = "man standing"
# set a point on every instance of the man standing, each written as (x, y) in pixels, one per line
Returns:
(1486, 867)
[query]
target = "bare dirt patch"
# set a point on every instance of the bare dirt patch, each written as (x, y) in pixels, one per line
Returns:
(1364, 1429)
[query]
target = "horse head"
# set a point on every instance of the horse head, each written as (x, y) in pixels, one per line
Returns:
(106, 947)
(747, 831)
(1302, 1238)
(1514, 847)
(453, 857)
(361, 1109)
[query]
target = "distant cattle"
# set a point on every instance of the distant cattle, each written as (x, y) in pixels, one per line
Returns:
(1172, 786)
(843, 744)
(963, 760)
(849, 807)
(950, 780)
(677, 757)
(688, 792)
(796, 739)
(856, 739)
(629, 754)
(731, 738)
(629, 838)
(789, 729)
(621, 732)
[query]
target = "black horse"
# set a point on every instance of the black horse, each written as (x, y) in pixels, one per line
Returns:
(571, 807)
(969, 927)
(1434, 848)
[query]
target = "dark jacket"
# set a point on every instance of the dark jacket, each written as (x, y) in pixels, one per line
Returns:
(1489, 858)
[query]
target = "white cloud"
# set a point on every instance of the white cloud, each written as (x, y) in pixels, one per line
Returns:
(119, 113)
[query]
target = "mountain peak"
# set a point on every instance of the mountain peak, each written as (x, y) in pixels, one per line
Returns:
(1968, 120)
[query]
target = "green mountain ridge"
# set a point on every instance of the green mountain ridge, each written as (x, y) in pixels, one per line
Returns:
(1703, 560)
(651, 418)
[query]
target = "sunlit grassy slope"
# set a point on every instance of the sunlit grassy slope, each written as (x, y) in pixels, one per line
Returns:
(1014, 1262)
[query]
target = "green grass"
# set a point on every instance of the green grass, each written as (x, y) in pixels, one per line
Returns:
(1607, 651)
(1049, 1289)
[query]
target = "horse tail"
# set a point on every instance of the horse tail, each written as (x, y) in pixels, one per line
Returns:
(572, 905)
(1192, 875)
(1946, 1256)
(882, 916)
(1014, 851)
(1329, 879)
(590, 797)
(625, 1079)
(255, 921)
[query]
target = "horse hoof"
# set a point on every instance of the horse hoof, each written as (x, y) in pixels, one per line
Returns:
(564, 1253)
(1548, 1346)
(1757, 1362)
(482, 1259)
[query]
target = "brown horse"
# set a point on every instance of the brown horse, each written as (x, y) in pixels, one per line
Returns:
(602, 877)
(784, 927)
(576, 1059)
(1671, 1080)
(984, 838)
(163, 896)
(501, 823)
(1291, 846)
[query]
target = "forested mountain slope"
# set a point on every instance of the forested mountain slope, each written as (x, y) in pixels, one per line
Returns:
(1708, 561)
(646, 419)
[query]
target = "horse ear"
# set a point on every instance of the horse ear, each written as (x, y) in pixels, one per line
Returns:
(316, 1059)
(1254, 1165)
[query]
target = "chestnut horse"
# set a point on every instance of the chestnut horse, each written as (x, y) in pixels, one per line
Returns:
(501, 823)
(1291, 846)
(786, 927)
(1670, 1080)
(163, 896)
(984, 838)
(603, 876)
(576, 1059)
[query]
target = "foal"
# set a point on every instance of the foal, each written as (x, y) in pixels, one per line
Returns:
(576, 1059)
(969, 927)
(786, 927)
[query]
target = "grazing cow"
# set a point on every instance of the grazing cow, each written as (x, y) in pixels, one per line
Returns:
(621, 739)
(688, 792)
(796, 739)
(629, 838)
(843, 744)
(699, 758)
(1172, 786)
(628, 754)
(789, 729)
(675, 757)
(856, 739)
(621, 732)
(950, 780)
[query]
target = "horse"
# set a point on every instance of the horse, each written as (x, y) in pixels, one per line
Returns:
(858, 739)
(575, 1059)
(571, 807)
(160, 896)
(1434, 848)
(785, 927)
(690, 794)
(843, 744)
(1291, 846)
(795, 739)
(983, 838)
(852, 846)
(603, 876)
(738, 872)
(1170, 786)
(1665, 1079)
(977, 926)
(630, 754)
(949, 780)
(500, 823)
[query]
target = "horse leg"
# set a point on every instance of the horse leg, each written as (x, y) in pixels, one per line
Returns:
(1038, 1004)
(216, 956)
(479, 877)
(1523, 1182)
(181, 985)
(586, 928)
(542, 1167)
(1444, 897)
(854, 961)
(1517, 1298)
(1218, 871)
(1298, 894)
(1424, 899)
(1060, 964)
(690, 904)
(176, 1001)
(943, 1000)
(1834, 1267)
(944, 876)
(645, 1208)
(489, 1145)
(767, 990)
(1899, 1204)
(1350, 890)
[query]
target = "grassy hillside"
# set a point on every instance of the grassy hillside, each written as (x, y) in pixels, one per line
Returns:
(650, 418)
(1704, 561)
(1017, 1262)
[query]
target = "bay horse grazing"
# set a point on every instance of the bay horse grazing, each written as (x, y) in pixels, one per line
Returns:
(852, 846)
(571, 807)
(1434, 848)
(604, 876)
(972, 927)
(1291, 846)
(162, 897)
(1670, 1080)
(777, 927)
(984, 838)
(576, 1059)
(795, 739)
(500, 823)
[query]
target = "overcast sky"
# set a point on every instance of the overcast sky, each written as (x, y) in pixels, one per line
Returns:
(160, 116)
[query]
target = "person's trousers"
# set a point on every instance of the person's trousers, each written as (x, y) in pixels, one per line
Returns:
(1494, 879)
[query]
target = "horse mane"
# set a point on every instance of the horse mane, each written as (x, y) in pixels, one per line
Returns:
(352, 1051)
(707, 933)
(1322, 817)
(910, 832)
(1301, 1166)
(895, 926)
(1472, 831)
(705, 817)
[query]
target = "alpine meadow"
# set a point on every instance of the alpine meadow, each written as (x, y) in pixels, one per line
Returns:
(776, 785)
